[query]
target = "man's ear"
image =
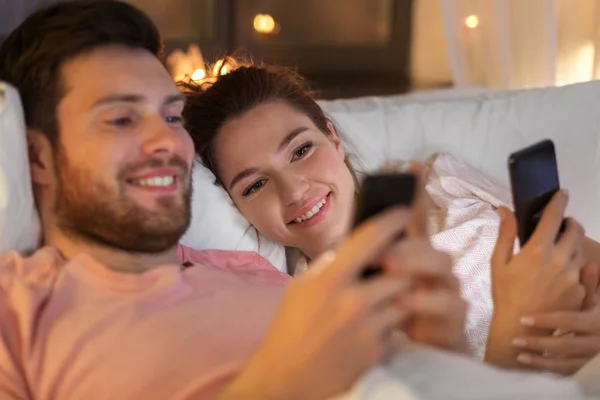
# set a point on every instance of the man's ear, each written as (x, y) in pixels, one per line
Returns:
(335, 138)
(41, 157)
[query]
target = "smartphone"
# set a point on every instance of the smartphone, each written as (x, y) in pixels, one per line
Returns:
(379, 192)
(534, 180)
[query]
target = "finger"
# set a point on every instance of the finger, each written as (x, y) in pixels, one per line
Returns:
(561, 366)
(363, 244)
(416, 259)
(379, 290)
(563, 346)
(581, 322)
(387, 319)
(384, 324)
(418, 225)
(578, 261)
(552, 218)
(507, 234)
(436, 304)
(589, 280)
(570, 241)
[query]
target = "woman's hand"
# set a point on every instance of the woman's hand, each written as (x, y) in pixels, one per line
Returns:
(579, 338)
(543, 277)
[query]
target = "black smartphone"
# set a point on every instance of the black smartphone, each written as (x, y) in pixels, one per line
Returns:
(534, 180)
(379, 192)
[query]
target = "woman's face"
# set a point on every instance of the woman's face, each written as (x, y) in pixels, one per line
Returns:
(286, 177)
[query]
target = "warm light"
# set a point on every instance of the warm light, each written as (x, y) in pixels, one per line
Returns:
(198, 75)
(576, 65)
(190, 66)
(220, 68)
(264, 23)
(472, 21)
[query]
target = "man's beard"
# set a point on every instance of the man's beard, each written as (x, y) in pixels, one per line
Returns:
(87, 208)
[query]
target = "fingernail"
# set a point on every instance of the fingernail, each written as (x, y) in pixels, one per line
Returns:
(519, 342)
(565, 193)
(527, 321)
(524, 359)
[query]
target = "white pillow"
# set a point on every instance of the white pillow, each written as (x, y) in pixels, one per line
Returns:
(217, 223)
(483, 130)
(19, 223)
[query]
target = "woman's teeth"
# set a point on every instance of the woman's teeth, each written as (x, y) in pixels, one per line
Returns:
(315, 210)
(158, 181)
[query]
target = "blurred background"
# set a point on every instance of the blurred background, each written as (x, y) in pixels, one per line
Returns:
(350, 48)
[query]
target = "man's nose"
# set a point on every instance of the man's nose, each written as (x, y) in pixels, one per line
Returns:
(162, 139)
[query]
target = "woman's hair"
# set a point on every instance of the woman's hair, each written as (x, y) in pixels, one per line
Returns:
(211, 105)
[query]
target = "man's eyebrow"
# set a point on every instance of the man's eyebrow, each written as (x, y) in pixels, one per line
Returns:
(174, 98)
(242, 175)
(136, 98)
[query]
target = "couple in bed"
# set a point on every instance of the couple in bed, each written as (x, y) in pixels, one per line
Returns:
(111, 307)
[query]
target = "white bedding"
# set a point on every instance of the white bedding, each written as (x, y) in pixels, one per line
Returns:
(422, 373)
(463, 222)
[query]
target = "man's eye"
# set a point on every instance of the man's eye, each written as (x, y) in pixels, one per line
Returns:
(175, 119)
(254, 187)
(121, 122)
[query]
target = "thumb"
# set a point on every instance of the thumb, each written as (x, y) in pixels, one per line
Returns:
(507, 234)
(589, 280)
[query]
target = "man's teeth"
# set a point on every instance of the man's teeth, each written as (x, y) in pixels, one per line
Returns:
(158, 181)
(315, 210)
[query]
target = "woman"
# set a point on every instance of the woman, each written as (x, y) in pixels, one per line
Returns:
(269, 144)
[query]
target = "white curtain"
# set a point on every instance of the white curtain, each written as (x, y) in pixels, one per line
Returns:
(514, 44)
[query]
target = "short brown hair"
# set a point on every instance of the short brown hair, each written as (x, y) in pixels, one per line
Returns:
(31, 57)
(210, 106)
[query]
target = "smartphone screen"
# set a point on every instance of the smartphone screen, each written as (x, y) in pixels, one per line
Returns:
(379, 192)
(534, 180)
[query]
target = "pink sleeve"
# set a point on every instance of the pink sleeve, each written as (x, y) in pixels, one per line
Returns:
(12, 383)
(248, 264)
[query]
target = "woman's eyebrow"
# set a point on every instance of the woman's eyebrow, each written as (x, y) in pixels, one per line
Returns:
(290, 136)
(284, 143)
(242, 175)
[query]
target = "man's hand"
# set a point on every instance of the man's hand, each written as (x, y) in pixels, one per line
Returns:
(579, 338)
(543, 277)
(437, 310)
(331, 326)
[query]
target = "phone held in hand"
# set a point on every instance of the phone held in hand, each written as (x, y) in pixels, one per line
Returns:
(378, 193)
(534, 180)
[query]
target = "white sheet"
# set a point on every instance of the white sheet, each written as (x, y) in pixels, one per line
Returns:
(422, 373)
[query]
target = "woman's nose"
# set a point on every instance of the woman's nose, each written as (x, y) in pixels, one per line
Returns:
(293, 189)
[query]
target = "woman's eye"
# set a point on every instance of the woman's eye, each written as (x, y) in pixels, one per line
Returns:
(254, 187)
(302, 150)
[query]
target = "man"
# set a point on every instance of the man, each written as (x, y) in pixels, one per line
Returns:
(105, 310)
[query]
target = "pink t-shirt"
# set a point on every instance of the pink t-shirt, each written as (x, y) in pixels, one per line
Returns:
(78, 330)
